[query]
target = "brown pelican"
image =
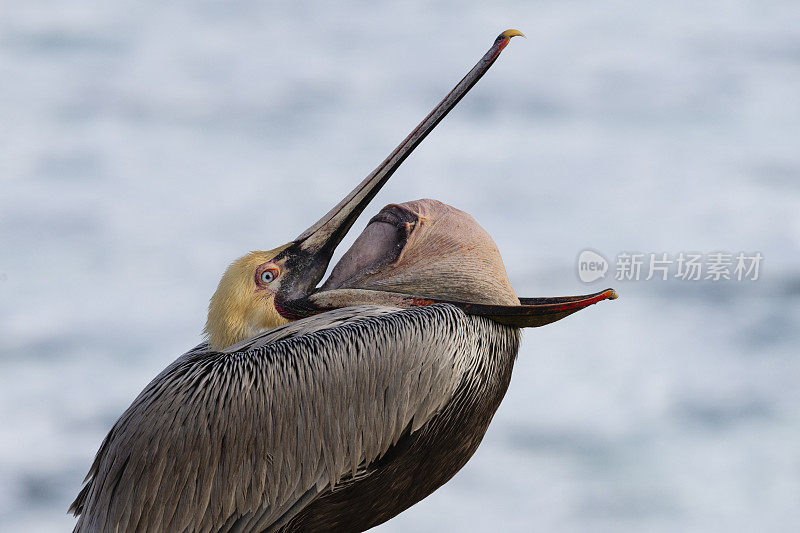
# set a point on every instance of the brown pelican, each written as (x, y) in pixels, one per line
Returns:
(331, 408)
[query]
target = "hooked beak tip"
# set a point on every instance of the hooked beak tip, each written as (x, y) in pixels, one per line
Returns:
(508, 34)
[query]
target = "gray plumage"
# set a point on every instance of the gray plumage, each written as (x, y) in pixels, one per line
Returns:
(334, 422)
(339, 421)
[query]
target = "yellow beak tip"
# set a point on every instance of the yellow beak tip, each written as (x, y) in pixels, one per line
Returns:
(508, 34)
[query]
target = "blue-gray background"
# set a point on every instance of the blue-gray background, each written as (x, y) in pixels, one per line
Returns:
(143, 146)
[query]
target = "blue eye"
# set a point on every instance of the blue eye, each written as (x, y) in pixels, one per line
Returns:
(267, 277)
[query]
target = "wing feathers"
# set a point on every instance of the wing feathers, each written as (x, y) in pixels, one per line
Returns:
(247, 437)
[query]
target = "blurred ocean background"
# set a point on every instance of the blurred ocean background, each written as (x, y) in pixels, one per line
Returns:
(144, 145)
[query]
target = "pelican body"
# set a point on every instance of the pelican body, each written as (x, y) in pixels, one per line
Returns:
(332, 408)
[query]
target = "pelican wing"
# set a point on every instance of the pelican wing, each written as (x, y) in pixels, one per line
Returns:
(243, 439)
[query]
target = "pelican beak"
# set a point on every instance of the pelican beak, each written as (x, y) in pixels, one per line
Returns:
(531, 313)
(534, 312)
(425, 252)
(307, 257)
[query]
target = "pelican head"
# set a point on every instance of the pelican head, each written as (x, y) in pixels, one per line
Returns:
(244, 302)
(411, 254)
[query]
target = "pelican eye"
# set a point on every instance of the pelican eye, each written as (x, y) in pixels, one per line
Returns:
(267, 276)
